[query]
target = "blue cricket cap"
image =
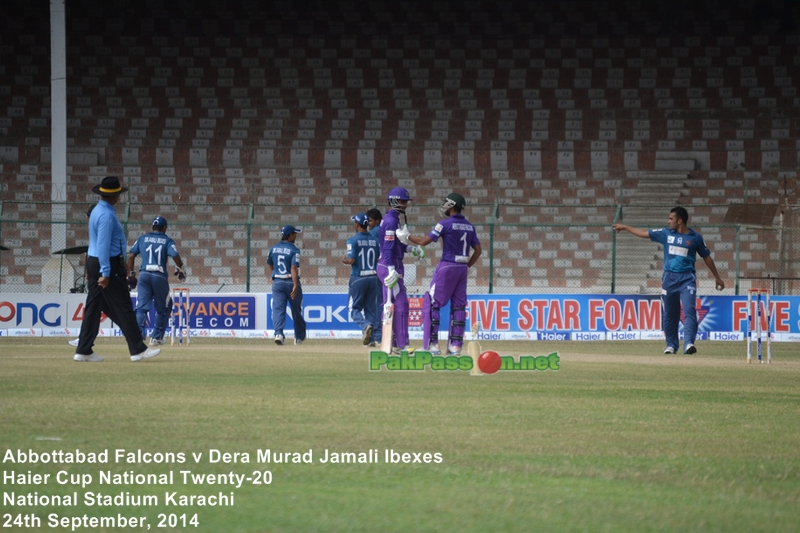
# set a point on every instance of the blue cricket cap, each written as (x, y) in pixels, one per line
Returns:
(160, 221)
(288, 230)
(362, 219)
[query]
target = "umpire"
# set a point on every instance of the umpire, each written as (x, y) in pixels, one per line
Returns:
(106, 278)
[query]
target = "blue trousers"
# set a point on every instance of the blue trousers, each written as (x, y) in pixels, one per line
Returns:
(152, 288)
(281, 291)
(679, 289)
(363, 303)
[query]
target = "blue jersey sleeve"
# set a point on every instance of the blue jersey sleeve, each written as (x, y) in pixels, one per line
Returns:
(658, 235)
(702, 249)
(172, 249)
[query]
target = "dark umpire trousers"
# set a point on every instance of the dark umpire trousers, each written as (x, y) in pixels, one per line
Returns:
(114, 301)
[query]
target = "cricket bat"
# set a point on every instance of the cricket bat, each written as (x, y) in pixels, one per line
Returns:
(388, 318)
(474, 350)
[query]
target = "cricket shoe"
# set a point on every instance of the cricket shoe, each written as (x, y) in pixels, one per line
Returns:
(74, 342)
(453, 350)
(690, 349)
(147, 354)
(156, 342)
(91, 358)
(373, 344)
(398, 351)
(298, 342)
(434, 349)
(669, 350)
(279, 339)
(367, 336)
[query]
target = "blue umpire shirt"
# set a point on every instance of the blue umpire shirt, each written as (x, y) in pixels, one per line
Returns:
(106, 238)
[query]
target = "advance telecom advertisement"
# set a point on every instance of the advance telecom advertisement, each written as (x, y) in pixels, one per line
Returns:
(501, 317)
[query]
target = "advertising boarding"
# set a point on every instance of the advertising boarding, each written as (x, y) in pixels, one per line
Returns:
(500, 317)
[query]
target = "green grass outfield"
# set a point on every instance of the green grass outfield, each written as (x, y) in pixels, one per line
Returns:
(621, 438)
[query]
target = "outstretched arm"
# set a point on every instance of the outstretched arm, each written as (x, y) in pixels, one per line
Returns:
(420, 241)
(639, 232)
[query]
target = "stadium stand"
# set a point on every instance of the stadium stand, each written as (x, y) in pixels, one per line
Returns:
(547, 114)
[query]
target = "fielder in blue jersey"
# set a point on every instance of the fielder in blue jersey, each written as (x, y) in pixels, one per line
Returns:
(681, 246)
(153, 283)
(364, 286)
(284, 262)
(374, 218)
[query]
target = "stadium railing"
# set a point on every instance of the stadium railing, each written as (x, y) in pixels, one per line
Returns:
(548, 248)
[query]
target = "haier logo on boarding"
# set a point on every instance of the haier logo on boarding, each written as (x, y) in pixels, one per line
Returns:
(49, 314)
(554, 336)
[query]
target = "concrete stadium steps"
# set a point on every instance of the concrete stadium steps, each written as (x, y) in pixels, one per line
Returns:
(176, 93)
(291, 110)
(514, 158)
(433, 20)
(654, 187)
(585, 265)
(637, 258)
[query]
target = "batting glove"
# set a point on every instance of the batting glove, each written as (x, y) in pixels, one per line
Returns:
(391, 280)
(417, 251)
(403, 234)
(181, 274)
(132, 281)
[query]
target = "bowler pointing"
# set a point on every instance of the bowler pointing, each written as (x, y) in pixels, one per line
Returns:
(681, 246)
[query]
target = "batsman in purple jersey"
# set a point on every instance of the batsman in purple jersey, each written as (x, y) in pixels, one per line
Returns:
(449, 283)
(390, 266)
